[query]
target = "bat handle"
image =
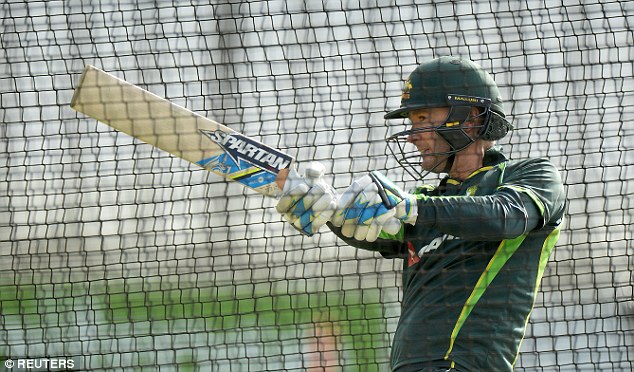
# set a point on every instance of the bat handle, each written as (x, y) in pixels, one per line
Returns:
(281, 178)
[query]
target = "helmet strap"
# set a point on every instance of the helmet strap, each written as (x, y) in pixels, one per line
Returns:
(452, 129)
(449, 164)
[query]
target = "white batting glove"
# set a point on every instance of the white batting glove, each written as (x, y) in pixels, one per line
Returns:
(373, 204)
(307, 202)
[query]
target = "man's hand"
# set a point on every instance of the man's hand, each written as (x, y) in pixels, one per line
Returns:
(307, 202)
(373, 204)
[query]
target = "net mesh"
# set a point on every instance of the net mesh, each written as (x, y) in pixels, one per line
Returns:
(117, 255)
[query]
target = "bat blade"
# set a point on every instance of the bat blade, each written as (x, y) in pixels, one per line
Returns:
(181, 132)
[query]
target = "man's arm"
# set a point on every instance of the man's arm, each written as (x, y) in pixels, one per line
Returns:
(504, 215)
(530, 197)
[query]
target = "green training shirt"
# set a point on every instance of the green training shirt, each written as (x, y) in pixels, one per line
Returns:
(473, 263)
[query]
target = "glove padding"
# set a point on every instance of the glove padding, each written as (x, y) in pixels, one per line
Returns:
(307, 202)
(373, 204)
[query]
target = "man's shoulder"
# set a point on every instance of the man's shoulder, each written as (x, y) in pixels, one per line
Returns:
(529, 165)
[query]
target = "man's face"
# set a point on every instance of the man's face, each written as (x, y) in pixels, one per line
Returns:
(429, 143)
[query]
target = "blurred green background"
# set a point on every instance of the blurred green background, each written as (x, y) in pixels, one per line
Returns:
(145, 325)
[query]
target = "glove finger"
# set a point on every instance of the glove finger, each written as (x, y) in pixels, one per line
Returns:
(363, 212)
(322, 195)
(373, 231)
(351, 223)
(315, 193)
(306, 202)
(392, 226)
(374, 206)
(383, 214)
(373, 216)
(326, 205)
(348, 198)
(347, 229)
(291, 198)
(361, 232)
(407, 209)
(320, 219)
(318, 214)
(363, 207)
(303, 223)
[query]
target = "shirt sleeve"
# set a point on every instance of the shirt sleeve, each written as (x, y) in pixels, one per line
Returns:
(541, 181)
(530, 196)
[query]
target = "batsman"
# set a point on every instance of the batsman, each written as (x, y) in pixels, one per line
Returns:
(474, 247)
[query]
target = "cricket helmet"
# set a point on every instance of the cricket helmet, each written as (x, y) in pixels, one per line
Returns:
(460, 84)
(431, 82)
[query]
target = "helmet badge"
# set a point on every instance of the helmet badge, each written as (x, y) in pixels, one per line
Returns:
(406, 90)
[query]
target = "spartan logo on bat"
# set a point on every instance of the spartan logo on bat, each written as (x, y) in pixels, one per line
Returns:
(239, 147)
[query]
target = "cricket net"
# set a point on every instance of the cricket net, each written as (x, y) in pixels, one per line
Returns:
(118, 256)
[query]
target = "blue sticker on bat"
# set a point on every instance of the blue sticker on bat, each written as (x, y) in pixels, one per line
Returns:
(240, 149)
(242, 172)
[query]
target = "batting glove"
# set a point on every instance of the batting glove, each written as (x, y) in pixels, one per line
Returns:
(307, 202)
(373, 204)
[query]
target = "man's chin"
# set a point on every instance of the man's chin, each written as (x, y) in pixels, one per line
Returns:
(430, 164)
(433, 170)
(434, 166)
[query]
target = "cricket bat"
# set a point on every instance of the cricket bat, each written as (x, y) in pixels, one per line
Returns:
(181, 132)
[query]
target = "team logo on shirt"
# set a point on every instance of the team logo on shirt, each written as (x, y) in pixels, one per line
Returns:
(414, 257)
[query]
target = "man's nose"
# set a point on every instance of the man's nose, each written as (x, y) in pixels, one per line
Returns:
(413, 137)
